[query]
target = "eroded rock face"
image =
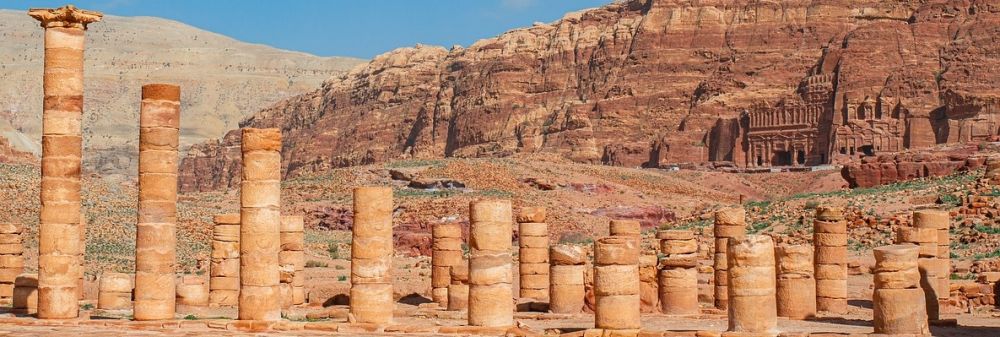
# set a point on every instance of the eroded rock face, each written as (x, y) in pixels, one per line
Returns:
(890, 168)
(645, 83)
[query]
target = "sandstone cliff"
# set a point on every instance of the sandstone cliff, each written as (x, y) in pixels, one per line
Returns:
(639, 83)
(222, 81)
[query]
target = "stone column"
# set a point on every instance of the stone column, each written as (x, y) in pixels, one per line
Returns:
(566, 279)
(260, 225)
(115, 291)
(924, 234)
(155, 234)
(630, 228)
(224, 270)
(944, 263)
(371, 255)
(490, 272)
(81, 257)
(458, 290)
(25, 299)
(11, 257)
(616, 284)
(446, 252)
(796, 287)
(192, 290)
(62, 111)
(752, 302)
(292, 261)
(678, 276)
(533, 254)
(730, 223)
(898, 301)
(830, 241)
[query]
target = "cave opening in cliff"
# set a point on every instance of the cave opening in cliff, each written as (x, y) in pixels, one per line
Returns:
(867, 150)
(782, 158)
(800, 157)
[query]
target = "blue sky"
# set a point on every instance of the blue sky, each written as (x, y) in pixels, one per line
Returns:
(358, 28)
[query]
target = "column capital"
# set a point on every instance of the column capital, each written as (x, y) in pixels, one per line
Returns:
(67, 17)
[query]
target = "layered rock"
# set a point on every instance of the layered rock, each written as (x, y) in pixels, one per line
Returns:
(645, 83)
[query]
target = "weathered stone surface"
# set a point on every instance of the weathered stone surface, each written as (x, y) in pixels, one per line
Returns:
(644, 83)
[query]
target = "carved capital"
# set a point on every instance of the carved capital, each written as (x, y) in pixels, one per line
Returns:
(67, 17)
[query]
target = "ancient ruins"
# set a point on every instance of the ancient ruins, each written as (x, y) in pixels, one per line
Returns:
(724, 275)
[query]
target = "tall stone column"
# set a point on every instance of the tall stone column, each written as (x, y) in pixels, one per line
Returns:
(11, 257)
(566, 279)
(62, 111)
(260, 225)
(490, 272)
(924, 234)
(830, 241)
(292, 260)
(796, 287)
(224, 269)
(371, 255)
(752, 303)
(533, 255)
(155, 233)
(898, 301)
(730, 224)
(616, 284)
(944, 257)
(678, 276)
(446, 253)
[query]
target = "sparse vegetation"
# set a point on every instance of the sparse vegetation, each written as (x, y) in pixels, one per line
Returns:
(316, 264)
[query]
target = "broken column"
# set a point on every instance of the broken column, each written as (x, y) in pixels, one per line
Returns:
(371, 255)
(796, 287)
(616, 283)
(458, 290)
(224, 270)
(678, 275)
(924, 234)
(446, 252)
(533, 254)
(192, 290)
(62, 111)
(630, 228)
(752, 302)
(898, 301)
(490, 271)
(260, 225)
(25, 299)
(566, 279)
(11, 257)
(730, 223)
(291, 261)
(830, 242)
(944, 260)
(156, 240)
(115, 291)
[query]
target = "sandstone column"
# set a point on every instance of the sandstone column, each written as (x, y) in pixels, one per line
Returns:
(924, 234)
(830, 241)
(533, 254)
(898, 300)
(224, 270)
(629, 228)
(156, 240)
(678, 276)
(292, 261)
(566, 275)
(796, 287)
(115, 291)
(11, 257)
(752, 302)
(490, 273)
(458, 290)
(25, 294)
(260, 225)
(81, 257)
(371, 255)
(944, 263)
(446, 252)
(62, 111)
(730, 223)
(192, 290)
(616, 283)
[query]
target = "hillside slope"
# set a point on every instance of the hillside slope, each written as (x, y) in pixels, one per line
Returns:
(222, 81)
